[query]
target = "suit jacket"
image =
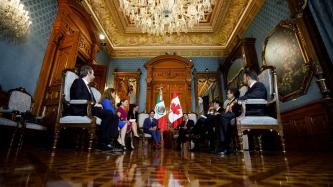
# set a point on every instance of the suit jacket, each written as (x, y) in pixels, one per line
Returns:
(189, 124)
(79, 90)
(257, 91)
(147, 124)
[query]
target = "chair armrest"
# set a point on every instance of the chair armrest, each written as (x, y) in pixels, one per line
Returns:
(39, 117)
(6, 110)
(79, 102)
(256, 101)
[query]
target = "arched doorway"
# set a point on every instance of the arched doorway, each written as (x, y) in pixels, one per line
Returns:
(169, 72)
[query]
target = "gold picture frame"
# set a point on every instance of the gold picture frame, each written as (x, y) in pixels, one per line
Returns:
(284, 48)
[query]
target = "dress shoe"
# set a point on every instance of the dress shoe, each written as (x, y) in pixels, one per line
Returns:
(103, 147)
(221, 151)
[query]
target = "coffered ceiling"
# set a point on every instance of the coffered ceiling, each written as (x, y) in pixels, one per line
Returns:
(214, 36)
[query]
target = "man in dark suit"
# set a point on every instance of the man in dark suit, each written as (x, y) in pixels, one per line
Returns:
(256, 90)
(185, 127)
(80, 90)
(150, 127)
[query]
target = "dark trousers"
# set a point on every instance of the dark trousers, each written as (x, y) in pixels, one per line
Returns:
(156, 135)
(223, 130)
(108, 125)
(182, 135)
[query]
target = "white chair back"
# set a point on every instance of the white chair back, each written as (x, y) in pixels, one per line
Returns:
(19, 101)
(97, 94)
(141, 119)
(242, 91)
(70, 76)
(193, 116)
(266, 77)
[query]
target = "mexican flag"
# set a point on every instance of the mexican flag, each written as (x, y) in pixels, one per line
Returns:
(176, 112)
(160, 112)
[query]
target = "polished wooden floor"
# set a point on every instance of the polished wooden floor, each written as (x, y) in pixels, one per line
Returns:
(146, 167)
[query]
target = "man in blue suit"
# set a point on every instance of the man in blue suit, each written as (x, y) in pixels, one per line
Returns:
(150, 127)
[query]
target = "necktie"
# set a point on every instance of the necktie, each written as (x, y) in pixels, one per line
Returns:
(91, 95)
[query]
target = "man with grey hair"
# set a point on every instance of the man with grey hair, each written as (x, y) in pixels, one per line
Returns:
(80, 90)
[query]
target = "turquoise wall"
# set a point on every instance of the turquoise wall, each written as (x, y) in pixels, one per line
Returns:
(271, 13)
(132, 64)
(102, 56)
(20, 61)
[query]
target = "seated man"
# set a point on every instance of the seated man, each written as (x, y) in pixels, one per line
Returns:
(184, 128)
(150, 127)
(223, 126)
(81, 90)
(256, 90)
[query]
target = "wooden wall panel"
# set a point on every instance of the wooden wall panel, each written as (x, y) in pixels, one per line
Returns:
(310, 127)
(169, 72)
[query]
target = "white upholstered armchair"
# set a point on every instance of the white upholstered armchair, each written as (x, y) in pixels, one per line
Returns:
(84, 122)
(19, 105)
(273, 123)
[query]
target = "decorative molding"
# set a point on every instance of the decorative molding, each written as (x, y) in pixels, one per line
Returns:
(234, 20)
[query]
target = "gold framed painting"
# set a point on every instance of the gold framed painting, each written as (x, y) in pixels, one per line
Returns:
(284, 48)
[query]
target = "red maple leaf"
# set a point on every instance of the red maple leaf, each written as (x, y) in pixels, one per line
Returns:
(175, 108)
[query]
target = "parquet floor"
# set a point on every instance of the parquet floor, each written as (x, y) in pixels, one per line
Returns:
(146, 167)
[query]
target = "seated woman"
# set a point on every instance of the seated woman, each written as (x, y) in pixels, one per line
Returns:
(107, 101)
(124, 124)
(133, 117)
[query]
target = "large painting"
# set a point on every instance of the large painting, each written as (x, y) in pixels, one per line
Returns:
(283, 49)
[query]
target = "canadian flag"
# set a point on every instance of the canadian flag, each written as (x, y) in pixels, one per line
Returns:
(176, 112)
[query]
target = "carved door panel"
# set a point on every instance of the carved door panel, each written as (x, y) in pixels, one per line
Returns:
(100, 72)
(65, 57)
(167, 89)
(169, 71)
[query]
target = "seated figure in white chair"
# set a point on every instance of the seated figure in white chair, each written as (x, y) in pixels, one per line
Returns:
(150, 127)
(256, 90)
(80, 89)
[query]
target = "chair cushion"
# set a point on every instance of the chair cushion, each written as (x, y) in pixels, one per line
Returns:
(69, 79)
(141, 119)
(233, 121)
(19, 101)
(35, 126)
(97, 95)
(78, 119)
(266, 77)
(193, 116)
(147, 135)
(7, 122)
(257, 120)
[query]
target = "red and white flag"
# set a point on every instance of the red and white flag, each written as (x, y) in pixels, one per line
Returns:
(160, 112)
(176, 112)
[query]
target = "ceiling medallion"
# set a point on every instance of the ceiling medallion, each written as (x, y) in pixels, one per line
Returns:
(161, 17)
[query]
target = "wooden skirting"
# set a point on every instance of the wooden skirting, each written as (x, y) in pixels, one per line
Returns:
(309, 127)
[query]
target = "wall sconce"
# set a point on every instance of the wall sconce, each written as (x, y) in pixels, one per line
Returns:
(15, 21)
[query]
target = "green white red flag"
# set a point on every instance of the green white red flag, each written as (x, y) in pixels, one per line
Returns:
(160, 112)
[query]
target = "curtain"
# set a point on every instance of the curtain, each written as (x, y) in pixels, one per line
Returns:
(322, 12)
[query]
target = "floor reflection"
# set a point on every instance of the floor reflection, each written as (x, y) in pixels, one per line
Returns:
(146, 167)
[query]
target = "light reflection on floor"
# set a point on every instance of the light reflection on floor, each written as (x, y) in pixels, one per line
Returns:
(146, 167)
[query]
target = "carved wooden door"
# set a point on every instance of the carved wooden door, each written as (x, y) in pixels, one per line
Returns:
(65, 58)
(100, 72)
(169, 72)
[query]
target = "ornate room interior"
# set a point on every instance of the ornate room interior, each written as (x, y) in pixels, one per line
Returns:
(186, 54)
